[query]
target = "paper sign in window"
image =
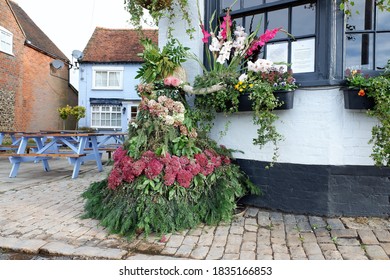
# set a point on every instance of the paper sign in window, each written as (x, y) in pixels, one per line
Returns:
(303, 55)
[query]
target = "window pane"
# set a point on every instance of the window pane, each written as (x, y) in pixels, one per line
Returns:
(251, 23)
(101, 79)
(364, 19)
(359, 51)
(383, 20)
(271, 1)
(382, 47)
(303, 20)
(251, 3)
(113, 79)
(228, 3)
(277, 19)
(277, 52)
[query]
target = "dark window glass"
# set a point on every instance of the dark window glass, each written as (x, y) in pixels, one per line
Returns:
(251, 23)
(278, 19)
(303, 20)
(382, 46)
(251, 3)
(227, 3)
(359, 51)
(383, 20)
(367, 37)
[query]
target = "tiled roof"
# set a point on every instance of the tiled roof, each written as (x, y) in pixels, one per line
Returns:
(35, 37)
(116, 45)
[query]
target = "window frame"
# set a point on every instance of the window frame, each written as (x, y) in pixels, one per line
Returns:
(108, 70)
(328, 68)
(111, 112)
(10, 36)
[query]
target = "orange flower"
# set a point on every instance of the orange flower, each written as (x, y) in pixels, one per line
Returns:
(361, 92)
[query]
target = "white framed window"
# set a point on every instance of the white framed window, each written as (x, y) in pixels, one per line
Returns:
(6, 41)
(133, 113)
(106, 116)
(107, 78)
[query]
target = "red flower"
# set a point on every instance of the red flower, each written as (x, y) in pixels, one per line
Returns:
(201, 159)
(119, 154)
(153, 169)
(184, 178)
(138, 167)
(361, 92)
(114, 179)
(169, 178)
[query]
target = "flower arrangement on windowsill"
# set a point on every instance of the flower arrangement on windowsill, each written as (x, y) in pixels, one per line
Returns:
(233, 62)
(377, 91)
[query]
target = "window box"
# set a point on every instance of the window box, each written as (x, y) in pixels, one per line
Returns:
(352, 100)
(285, 96)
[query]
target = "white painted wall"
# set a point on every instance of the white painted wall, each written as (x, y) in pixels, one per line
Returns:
(318, 130)
(192, 67)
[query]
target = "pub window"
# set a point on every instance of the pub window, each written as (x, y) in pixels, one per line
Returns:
(367, 37)
(299, 18)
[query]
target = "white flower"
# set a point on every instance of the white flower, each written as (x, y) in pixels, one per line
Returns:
(260, 65)
(215, 45)
(169, 120)
(178, 117)
(240, 32)
(243, 77)
(224, 54)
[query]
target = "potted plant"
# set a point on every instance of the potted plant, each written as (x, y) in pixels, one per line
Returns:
(356, 94)
(233, 62)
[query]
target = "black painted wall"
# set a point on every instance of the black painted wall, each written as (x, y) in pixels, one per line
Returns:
(320, 189)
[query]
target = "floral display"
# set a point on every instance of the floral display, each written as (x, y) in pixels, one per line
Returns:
(169, 175)
(355, 79)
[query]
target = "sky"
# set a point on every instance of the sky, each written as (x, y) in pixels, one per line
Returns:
(70, 23)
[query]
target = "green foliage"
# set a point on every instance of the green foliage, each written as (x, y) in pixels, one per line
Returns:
(347, 6)
(159, 9)
(380, 91)
(158, 65)
(148, 206)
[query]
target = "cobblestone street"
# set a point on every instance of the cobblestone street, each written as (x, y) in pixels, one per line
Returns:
(42, 216)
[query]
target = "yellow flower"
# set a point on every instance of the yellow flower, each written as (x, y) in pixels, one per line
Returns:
(251, 85)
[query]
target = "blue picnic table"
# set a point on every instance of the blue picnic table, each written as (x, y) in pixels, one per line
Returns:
(81, 147)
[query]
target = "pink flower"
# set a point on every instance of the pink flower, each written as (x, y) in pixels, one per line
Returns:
(119, 154)
(206, 35)
(184, 178)
(201, 159)
(169, 178)
(153, 168)
(172, 81)
(226, 24)
(138, 167)
(208, 169)
(258, 44)
(194, 168)
(114, 179)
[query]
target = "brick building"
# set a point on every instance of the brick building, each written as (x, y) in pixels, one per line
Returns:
(31, 90)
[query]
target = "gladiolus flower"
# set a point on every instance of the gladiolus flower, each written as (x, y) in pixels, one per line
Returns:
(206, 35)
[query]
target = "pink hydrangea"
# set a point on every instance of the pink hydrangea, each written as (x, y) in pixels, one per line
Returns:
(169, 178)
(138, 167)
(184, 178)
(119, 154)
(201, 159)
(114, 179)
(194, 168)
(153, 168)
(208, 169)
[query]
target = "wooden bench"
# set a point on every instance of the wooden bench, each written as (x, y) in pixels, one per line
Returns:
(63, 155)
(8, 147)
(108, 150)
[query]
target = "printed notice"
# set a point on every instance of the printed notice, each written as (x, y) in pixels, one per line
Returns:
(278, 53)
(302, 55)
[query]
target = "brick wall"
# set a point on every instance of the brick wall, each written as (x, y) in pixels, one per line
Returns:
(11, 68)
(44, 91)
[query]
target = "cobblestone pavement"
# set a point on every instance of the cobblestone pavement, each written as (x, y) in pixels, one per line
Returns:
(40, 214)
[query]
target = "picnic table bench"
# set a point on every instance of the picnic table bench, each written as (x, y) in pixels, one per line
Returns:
(81, 147)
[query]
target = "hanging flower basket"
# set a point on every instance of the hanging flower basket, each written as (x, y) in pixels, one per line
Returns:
(154, 5)
(356, 99)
